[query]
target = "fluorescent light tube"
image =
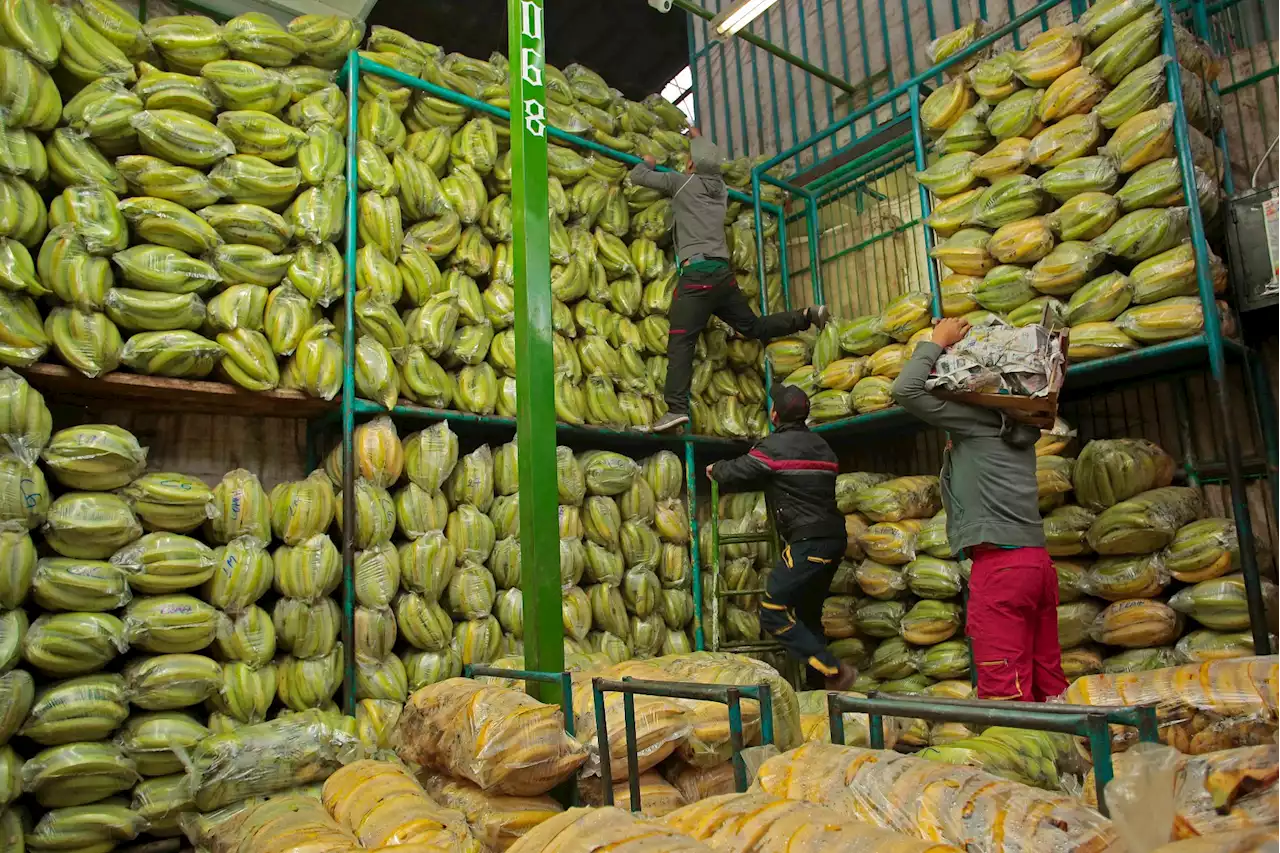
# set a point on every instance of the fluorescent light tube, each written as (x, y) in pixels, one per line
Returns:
(739, 15)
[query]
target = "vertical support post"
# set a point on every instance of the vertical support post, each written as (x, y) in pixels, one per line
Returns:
(1182, 409)
(875, 731)
(1148, 725)
(815, 262)
(1217, 356)
(735, 740)
(535, 420)
(913, 96)
(714, 596)
(602, 736)
(835, 719)
(1100, 751)
(695, 555)
(633, 749)
(349, 398)
(766, 713)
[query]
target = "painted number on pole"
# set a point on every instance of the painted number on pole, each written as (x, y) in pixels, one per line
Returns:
(530, 70)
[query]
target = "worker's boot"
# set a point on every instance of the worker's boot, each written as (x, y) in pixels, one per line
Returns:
(669, 421)
(843, 679)
(818, 315)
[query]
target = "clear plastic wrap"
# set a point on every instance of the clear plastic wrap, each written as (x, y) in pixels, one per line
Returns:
(1109, 471)
(900, 498)
(381, 804)
(585, 830)
(963, 806)
(1145, 522)
(266, 758)
(1201, 707)
(658, 797)
(498, 738)
(496, 820)
(760, 823)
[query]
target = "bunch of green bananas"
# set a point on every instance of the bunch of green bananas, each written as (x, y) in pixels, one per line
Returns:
(309, 570)
(13, 630)
(24, 494)
(248, 360)
(306, 629)
(67, 644)
(170, 624)
(426, 564)
(316, 365)
(317, 214)
(375, 514)
(239, 306)
(247, 692)
(154, 741)
(187, 42)
(17, 567)
(287, 317)
(166, 223)
(90, 525)
(27, 92)
(181, 137)
(241, 508)
(326, 107)
(88, 55)
(66, 584)
(167, 682)
(384, 679)
(161, 801)
(75, 774)
(95, 457)
(22, 336)
(316, 272)
(248, 637)
(375, 374)
(375, 632)
(246, 179)
(423, 622)
(165, 562)
(177, 353)
(243, 85)
(303, 683)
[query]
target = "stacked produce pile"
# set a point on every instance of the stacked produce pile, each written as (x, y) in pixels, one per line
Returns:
(1202, 707)
(196, 177)
(742, 566)
(201, 191)
(446, 592)
(1144, 580)
(146, 614)
(934, 801)
(849, 367)
(1057, 184)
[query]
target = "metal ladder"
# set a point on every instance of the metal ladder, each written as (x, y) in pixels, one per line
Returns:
(716, 642)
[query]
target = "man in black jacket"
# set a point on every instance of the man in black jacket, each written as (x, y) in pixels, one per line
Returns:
(797, 470)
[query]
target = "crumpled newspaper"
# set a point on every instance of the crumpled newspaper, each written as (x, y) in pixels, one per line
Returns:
(1001, 359)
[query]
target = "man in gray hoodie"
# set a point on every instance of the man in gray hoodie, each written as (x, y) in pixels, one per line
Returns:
(706, 285)
(993, 517)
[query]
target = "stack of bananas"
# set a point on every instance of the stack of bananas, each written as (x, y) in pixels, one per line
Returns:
(201, 178)
(1057, 184)
(196, 172)
(132, 627)
(435, 278)
(447, 592)
(849, 367)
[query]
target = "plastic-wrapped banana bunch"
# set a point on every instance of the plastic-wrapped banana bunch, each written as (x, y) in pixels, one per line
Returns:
(166, 562)
(76, 774)
(306, 629)
(247, 636)
(309, 570)
(379, 455)
(302, 509)
(17, 567)
(304, 683)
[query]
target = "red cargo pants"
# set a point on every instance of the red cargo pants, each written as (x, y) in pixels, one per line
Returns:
(1013, 623)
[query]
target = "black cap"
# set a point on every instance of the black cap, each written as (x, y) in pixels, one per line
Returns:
(790, 404)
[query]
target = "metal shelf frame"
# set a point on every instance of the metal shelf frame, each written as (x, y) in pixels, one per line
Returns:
(848, 168)
(535, 428)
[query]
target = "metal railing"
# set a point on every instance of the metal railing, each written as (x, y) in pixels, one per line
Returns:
(727, 694)
(1087, 721)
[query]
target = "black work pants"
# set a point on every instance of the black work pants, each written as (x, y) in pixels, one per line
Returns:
(698, 295)
(791, 610)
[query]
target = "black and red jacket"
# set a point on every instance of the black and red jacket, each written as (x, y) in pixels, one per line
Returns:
(797, 470)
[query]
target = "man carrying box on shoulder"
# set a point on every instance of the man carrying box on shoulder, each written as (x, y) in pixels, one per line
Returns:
(990, 495)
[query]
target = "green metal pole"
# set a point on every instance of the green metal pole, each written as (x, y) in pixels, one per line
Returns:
(815, 263)
(707, 15)
(695, 555)
(349, 399)
(536, 418)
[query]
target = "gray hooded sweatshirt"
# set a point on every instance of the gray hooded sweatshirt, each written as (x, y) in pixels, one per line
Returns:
(699, 200)
(989, 469)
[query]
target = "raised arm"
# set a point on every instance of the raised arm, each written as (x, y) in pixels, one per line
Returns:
(744, 473)
(909, 390)
(644, 175)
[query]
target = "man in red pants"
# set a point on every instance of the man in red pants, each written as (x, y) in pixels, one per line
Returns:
(989, 493)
